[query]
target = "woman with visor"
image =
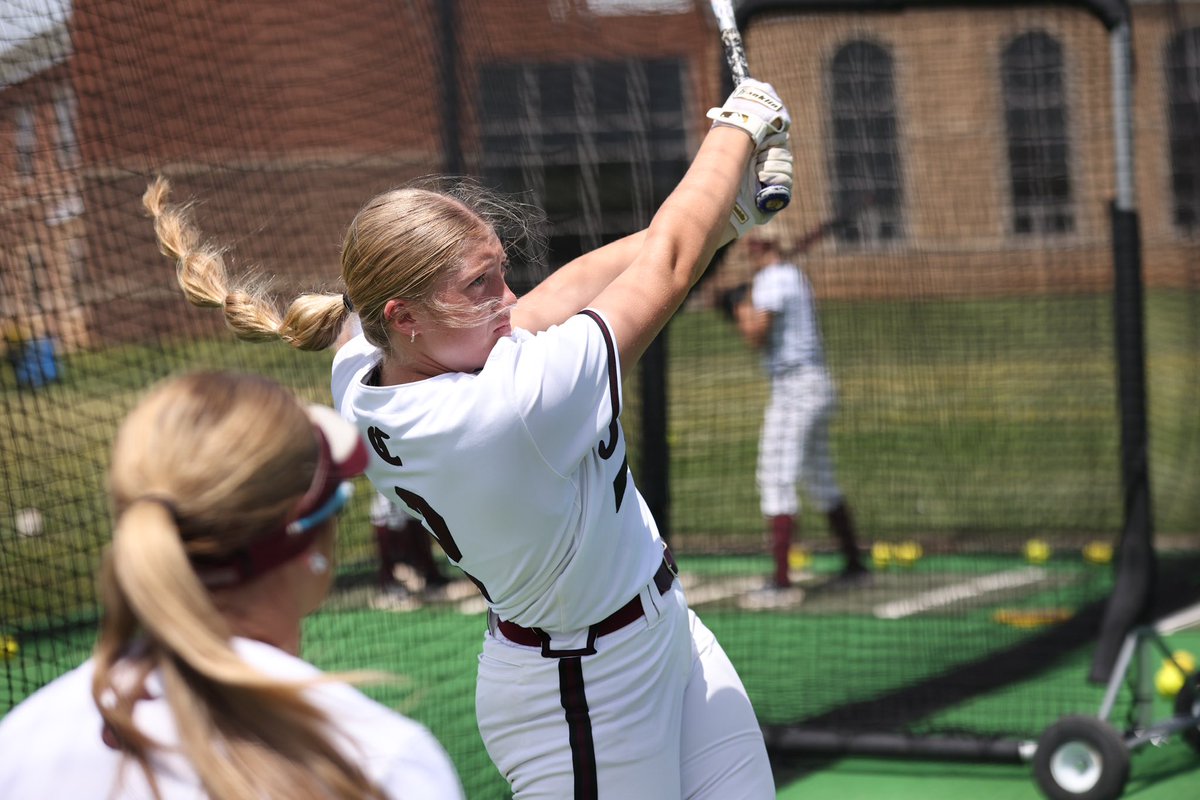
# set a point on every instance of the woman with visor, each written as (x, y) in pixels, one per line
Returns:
(223, 542)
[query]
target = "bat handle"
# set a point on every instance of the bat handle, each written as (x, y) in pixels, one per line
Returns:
(773, 198)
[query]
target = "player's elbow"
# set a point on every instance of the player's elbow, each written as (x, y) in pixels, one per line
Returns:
(678, 258)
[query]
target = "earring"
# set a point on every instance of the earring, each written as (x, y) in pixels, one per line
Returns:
(412, 336)
(318, 564)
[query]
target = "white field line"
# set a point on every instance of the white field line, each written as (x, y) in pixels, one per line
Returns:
(711, 591)
(1180, 620)
(959, 591)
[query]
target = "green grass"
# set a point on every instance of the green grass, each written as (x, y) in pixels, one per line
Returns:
(973, 423)
(955, 419)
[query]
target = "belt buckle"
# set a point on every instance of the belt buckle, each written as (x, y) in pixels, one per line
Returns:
(548, 652)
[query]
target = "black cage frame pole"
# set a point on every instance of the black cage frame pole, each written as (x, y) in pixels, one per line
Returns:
(1136, 563)
(452, 158)
(654, 446)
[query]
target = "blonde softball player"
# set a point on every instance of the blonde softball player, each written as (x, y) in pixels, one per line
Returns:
(779, 316)
(497, 423)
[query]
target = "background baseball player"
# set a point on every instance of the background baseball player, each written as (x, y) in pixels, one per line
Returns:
(778, 316)
(498, 423)
(408, 570)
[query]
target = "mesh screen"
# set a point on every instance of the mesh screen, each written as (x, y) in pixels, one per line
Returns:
(954, 171)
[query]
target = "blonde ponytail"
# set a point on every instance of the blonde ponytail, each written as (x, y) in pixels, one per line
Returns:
(311, 321)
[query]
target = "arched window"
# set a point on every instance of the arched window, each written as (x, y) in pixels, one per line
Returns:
(1035, 117)
(865, 158)
(1183, 104)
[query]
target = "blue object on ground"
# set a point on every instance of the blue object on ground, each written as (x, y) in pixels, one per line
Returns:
(35, 363)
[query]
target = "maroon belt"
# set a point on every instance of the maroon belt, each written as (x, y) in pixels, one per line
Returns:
(536, 637)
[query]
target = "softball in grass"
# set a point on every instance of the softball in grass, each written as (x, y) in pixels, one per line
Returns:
(881, 554)
(1097, 552)
(1037, 551)
(798, 558)
(907, 553)
(11, 647)
(1171, 675)
(28, 522)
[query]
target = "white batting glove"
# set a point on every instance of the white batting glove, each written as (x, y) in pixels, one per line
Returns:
(771, 166)
(754, 107)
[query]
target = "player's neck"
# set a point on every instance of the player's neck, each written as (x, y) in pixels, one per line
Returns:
(393, 373)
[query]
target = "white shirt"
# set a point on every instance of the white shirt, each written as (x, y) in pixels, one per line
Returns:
(519, 470)
(795, 338)
(51, 746)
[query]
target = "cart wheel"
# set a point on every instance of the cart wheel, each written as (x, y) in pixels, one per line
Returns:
(1081, 758)
(1187, 704)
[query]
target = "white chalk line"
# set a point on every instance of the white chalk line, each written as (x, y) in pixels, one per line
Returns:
(1179, 621)
(935, 598)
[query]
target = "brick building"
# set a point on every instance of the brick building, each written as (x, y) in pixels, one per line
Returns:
(281, 118)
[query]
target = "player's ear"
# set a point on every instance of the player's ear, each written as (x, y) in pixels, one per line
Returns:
(398, 315)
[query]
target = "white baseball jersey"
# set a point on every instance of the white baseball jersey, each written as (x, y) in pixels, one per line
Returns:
(51, 744)
(793, 446)
(386, 514)
(519, 470)
(795, 338)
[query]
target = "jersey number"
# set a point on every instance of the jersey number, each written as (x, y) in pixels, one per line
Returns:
(433, 520)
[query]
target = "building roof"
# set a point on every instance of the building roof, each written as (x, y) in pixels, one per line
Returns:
(34, 36)
(1110, 12)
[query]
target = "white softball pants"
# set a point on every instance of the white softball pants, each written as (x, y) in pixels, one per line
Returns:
(658, 712)
(793, 448)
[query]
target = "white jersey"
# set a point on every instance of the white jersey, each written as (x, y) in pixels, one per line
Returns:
(51, 744)
(386, 514)
(795, 338)
(519, 470)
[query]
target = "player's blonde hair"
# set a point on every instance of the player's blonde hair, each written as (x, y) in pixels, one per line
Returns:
(402, 243)
(195, 472)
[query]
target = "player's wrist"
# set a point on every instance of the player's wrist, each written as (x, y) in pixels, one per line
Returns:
(755, 109)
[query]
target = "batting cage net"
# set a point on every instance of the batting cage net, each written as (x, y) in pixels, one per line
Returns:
(959, 175)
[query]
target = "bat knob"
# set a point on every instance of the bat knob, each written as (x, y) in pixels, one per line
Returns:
(773, 198)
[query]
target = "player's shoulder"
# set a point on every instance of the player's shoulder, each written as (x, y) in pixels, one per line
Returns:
(779, 277)
(396, 750)
(67, 697)
(351, 364)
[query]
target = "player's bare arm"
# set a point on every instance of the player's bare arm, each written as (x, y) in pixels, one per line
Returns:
(578, 282)
(574, 285)
(678, 246)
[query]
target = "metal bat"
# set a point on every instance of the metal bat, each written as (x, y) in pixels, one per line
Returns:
(768, 198)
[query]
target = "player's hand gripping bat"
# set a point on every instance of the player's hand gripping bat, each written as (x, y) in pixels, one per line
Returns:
(768, 198)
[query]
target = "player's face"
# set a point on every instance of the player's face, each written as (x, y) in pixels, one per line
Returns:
(479, 283)
(762, 253)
